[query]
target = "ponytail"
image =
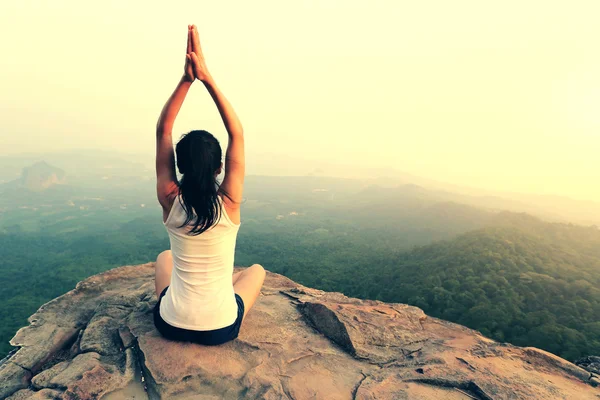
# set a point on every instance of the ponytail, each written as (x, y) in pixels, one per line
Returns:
(198, 159)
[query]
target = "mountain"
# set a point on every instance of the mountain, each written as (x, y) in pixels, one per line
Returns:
(39, 177)
(105, 168)
(98, 341)
(526, 283)
(81, 163)
(335, 235)
(516, 278)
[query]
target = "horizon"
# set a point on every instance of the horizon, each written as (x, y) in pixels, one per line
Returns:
(433, 184)
(495, 98)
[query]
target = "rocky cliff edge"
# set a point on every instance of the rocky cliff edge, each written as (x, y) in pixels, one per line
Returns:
(98, 341)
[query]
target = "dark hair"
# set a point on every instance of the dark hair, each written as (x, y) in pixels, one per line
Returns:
(198, 159)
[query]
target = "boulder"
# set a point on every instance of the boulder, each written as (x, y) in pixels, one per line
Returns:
(98, 341)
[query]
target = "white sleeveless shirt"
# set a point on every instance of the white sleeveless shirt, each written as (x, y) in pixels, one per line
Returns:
(200, 295)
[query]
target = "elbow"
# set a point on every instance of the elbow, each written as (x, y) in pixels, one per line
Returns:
(163, 125)
(162, 130)
(237, 131)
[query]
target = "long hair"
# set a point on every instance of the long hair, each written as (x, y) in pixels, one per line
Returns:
(198, 159)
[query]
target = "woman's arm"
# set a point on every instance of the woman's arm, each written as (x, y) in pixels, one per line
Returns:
(172, 107)
(166, 177)
(235, 160)
(173, 104)
(235, 157)
(228, 115)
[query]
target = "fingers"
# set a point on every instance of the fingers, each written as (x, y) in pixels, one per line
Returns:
(195, 40)
(195, 63)
(189, 69)
(189, 40)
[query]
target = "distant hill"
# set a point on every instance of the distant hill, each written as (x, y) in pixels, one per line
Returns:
(41, 176)
(39, 182)
(36, 178)
(533, 281)
(527, 282)
(81, 163)
(100, 168)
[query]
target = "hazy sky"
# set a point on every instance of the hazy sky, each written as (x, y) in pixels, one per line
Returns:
(499, 95)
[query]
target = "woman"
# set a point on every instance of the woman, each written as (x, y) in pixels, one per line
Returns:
(199, 300)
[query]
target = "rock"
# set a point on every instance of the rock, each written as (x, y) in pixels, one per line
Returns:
(98, 341)
(12, 378)
(44, 394)
(64, 372)
(590, 363)
(102, 332)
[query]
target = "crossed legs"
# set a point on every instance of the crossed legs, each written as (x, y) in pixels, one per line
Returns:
(162, 271)
(247, 284)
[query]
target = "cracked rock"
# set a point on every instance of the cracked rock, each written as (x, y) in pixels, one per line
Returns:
(98, 341)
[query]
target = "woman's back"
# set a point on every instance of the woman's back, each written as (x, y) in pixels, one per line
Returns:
(198, 294)
(201, 295)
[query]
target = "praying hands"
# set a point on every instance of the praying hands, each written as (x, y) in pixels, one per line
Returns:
(195, 65)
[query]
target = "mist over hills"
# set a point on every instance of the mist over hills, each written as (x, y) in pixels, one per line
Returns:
(40, 176)
(95, 168)
(512, 275)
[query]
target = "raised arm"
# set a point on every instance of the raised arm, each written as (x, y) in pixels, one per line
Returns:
(235, 157)
(173, 104)
(166, 177)
(172, 107)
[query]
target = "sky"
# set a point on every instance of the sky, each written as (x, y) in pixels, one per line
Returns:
(496, 95)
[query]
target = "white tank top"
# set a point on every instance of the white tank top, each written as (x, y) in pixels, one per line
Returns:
(200, 295)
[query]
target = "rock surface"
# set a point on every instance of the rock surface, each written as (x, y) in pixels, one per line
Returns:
(591, 363)
(98, 341)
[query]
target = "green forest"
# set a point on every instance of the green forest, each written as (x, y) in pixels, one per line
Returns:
(510, 275)
(523, 281)
(530, 284)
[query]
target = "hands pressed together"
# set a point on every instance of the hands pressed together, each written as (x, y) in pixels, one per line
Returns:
(195, 68)
(195, 65)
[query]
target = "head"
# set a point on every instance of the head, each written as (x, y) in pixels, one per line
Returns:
(199, 162)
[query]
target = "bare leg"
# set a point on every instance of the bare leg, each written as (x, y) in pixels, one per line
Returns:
(162, 271)
(248, 285)
(236, 276)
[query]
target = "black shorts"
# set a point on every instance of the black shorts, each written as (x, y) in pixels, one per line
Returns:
(213, 337)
